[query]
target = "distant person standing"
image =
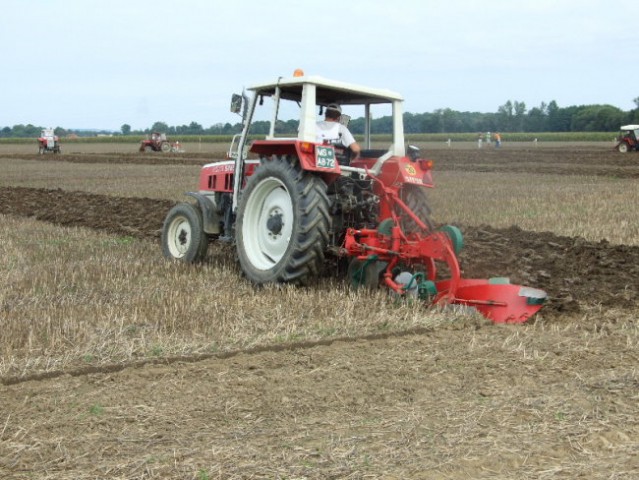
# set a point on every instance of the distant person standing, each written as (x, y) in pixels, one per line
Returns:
(497, 140)
(480, 140)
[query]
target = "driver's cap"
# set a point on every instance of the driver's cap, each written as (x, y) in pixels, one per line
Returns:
(335, 107)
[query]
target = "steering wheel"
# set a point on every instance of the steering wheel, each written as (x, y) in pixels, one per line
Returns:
(343, 154)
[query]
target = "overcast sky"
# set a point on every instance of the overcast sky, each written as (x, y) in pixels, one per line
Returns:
(101, 64)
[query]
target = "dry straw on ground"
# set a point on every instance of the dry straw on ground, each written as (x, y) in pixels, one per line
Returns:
(117, 364)
(77, 297)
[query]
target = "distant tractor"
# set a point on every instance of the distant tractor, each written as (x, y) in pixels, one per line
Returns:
(48, 142)
(628, 139)
(156, 142)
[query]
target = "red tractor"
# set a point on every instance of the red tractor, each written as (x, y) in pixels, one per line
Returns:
(48, 142)
(300, 200)
(156, 142)
(628, 139)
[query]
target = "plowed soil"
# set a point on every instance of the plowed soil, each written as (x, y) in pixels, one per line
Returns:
(552, 399)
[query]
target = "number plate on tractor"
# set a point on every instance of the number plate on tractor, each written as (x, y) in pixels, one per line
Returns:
(324, 157)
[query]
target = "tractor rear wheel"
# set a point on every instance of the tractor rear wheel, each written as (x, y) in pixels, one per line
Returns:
(416, 199)
(282, 223)
(165, 147)
(622, 147)
(183, 236)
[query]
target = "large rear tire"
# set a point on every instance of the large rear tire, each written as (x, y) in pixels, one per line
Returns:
(623, 147)
(282, 223)
(183, 236)
(165, 147)
(416, 199)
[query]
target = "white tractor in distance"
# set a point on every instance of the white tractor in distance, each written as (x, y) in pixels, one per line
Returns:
(48, 142)
(628, 139)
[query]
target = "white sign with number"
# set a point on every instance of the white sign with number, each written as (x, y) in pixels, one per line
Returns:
(324, 157)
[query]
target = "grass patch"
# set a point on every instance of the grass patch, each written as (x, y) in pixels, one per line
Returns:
(93, 299)
(96, 410)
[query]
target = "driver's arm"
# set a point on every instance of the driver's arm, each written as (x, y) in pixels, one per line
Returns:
(349, 141)
(356, 149)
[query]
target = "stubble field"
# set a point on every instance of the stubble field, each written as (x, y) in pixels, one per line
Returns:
(118, 364)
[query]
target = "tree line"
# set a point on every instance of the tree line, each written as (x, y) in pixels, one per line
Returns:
(512, 116)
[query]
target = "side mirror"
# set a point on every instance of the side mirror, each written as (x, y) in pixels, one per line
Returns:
(236, 103)
(413, 152)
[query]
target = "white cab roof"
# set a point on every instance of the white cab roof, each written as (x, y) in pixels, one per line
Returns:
(328, 91)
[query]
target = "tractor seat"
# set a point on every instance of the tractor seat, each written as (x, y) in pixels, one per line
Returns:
(372, 153)
(343, 155)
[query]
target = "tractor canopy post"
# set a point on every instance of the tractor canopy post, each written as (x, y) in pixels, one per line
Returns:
(241, 151)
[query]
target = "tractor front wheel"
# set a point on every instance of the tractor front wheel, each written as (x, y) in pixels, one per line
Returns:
(183, 236)
(282, 223)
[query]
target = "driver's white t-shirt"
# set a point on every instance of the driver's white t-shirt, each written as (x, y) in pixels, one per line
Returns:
(332, 132)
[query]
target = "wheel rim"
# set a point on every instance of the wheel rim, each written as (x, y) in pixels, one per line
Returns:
(268, 223)
(179, 237)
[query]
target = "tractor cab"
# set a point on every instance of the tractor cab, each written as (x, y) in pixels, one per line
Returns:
(158, 137)
(49, 136)
(48, 141)
(305, 99)
(628, 138)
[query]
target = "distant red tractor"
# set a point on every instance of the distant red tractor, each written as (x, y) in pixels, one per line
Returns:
(48, 142)
(156, 142)
(628, 139)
